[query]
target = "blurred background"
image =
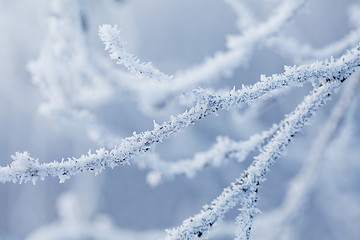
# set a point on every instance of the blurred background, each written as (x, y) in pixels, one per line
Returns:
(61, 95)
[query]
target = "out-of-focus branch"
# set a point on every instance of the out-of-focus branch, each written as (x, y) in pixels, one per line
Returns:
(69, 78)
(291, 47)
(305, 52)
(245, 19)
(224, 149)
(302, 52)
(72, 224)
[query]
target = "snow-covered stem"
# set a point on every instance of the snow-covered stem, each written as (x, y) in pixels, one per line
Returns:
(245, 218)
(110, 35)
(246, 186)
(337, 70)
(304, 182)
(223, 150)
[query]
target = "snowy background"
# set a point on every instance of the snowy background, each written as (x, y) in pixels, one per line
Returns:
(87, 101)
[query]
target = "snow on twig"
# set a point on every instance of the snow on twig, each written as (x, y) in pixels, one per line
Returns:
(245, 219)
(245, 188)
(304, 182)
(110, 35)
(337, 70)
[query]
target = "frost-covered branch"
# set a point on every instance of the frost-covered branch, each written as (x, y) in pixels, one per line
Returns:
(304, 182)
(337, 70)
(224, 149)
(110, 35)
(247, 213)
(246, 186)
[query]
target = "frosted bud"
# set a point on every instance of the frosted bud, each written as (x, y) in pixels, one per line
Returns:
(23, 161)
